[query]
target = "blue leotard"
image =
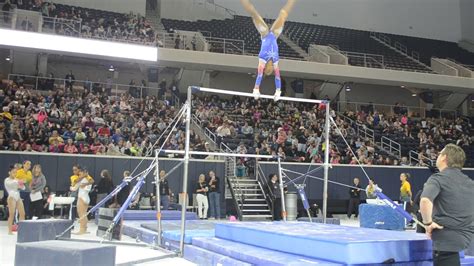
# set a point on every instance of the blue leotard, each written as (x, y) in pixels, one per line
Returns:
(269, 48)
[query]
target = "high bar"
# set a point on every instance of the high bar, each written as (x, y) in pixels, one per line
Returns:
(246, 94)
(220, 154)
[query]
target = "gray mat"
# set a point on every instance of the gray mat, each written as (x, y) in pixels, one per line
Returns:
(41, 230)
(56, 252)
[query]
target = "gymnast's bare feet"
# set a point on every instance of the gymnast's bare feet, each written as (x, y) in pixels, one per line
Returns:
(256, 93)
(277, 95)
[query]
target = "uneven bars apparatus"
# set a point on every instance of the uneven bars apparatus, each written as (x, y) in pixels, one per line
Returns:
(187, 152)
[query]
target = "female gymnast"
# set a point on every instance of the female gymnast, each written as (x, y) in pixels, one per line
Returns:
(268, 57)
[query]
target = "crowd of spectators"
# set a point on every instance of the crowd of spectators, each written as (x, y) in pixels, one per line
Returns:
(88, 123)
(428, 134)
(96, 123)
(89, 23)
(292, 131)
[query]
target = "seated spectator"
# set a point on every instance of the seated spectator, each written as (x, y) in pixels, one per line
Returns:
(70, 147)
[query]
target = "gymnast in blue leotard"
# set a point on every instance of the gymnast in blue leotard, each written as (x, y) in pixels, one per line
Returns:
(268, 57)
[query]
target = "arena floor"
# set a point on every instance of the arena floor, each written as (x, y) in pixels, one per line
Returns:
(126, 255)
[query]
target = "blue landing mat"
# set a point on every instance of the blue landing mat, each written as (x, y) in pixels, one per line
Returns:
(172, 229)
(130, 215)
(330, 242)
(254, 255)
(320, 220)
(175, 235)
(467, 261)
(147, 231)
(204, 257)
(176, 225)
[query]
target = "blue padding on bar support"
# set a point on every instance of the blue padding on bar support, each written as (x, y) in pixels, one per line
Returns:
(195, 89)
(130, 215)
(204, 257)
(254, 255)
(380, 217)
(467, 261)
(330, 242)
(188, 235)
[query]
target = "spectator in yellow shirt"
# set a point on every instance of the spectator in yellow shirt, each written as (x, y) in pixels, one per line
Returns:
(55, 136)
(25, 176)
(75, 176)
(405, 192)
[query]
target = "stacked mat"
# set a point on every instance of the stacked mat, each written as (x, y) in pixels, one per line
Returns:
(300, 243)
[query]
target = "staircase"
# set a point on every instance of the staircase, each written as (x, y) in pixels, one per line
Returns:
(247, 193)
(397, 47)
(294, 46)
(252, 200)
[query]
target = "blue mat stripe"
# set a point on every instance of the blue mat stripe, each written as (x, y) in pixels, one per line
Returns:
(205, 258)
(467, 261)
(148, 215)
(175, 235)
(255, 255)
(330, 242)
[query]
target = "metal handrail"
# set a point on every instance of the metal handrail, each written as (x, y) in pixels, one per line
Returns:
(268, 199)
(84, 82)
(358, 104)
(236, 202)
(211, 136)
(422, 163)
(393, 147)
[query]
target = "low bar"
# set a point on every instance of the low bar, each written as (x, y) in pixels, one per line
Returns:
(220, 154)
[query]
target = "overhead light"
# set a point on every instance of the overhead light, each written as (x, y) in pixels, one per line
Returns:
(111, 68)
(414, 94)
(403, 86)
(8, 58)
(348, 88)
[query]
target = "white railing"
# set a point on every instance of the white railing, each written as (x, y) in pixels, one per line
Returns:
(226, 46)
(420, 159)
(61, 26)
(412, 111)
(365, 132)
(211, 136)
(391, 146)
(115, 89)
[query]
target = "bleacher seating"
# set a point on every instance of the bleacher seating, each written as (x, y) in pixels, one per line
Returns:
(348, 40)
(239, 28)
(428, 48)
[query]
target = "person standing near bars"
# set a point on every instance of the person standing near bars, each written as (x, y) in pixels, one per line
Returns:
(214, 195)
(201, 189)
(354, 200)
(36, 194)
(24, 174)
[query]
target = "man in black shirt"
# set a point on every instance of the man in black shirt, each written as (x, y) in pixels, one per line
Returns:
(276, 196)
(214, 195)
(164, 191)
(354, 199)
(447, 207)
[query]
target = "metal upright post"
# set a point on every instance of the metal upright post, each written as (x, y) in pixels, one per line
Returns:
(280, 176)
(157, 195)
(326, 165)
(185, 171)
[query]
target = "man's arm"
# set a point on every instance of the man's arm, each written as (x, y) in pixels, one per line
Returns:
(426, 210)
